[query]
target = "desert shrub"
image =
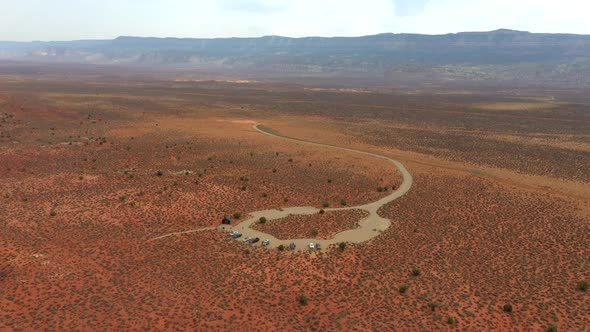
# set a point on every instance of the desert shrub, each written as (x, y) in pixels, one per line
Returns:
(432, 306)
(175, 183)
(380, 189)
(187, 173)
(159, 173)
(342, 246)
(281, 247)
(326, 204)
(262, 220)
(343, 202)
(302, 299)
(507, 308)
(322, 211)
(403, 288)
(551, 328)
(123, 198)
(247, 251)
(53, 213)
(314, 232)
(290, 160)
(237, 215)
(81, 178)
(386, 188)
(415, 272)
(583, 285)
(329, 180)
(243, 188)
(450, 320)
(274, 170)
(286, 200)
(264, 195)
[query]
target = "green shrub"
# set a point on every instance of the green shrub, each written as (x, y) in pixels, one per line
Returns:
(159, 173)
(52, 213)
(286, 200)
(314, 233)
(415, 272)
(264, 195)
(244, 188)
(507, 308)
(342, 246)
(403, 288)
(551, 328)
(281, 247)
(326, 204)
(432, 306)
(583, 285)
(329, 180)
(322, 211)
(123, 198)
(262, 220)
(343, 202)
(237, 215)
(450, 320)
(302, 299)
(380, 189)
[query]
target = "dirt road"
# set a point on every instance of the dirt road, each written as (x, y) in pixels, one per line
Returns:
(369, 227)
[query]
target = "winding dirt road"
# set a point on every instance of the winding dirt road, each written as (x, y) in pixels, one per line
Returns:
(369, 227)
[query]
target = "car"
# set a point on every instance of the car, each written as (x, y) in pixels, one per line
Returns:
(265, 243)
(235, 234)
(292, 246)
(311, 246)
(255, 240)
(318, 246)
(247, 239)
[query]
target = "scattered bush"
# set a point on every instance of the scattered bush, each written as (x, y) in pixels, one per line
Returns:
(380, 189)
(262, 220)
(342, 246)
(326, 204)
(281, 247)
(286, 200)
(314, 232)
(343, 202)
(322, 211)
(450, 320)
(302, 299)
(243, 188)
(52, 213)
(415, 272)
(159, 173)
(551, 328)
(432, 306)
(264, 195)
(123, 198)
(329, 180)
(403, 288)
(583, 285)
(237, 215)
(507, 308)
(274, 170)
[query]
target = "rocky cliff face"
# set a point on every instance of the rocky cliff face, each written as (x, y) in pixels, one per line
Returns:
(370, 54)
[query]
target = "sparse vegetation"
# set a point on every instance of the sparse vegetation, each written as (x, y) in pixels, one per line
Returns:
(507, 308)
(583, 285)
(403, 288)
(237, 215)
(262, 220)
(302, 299)
(415, 272)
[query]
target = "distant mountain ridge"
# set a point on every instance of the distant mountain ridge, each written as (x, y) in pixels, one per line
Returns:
(369, 54)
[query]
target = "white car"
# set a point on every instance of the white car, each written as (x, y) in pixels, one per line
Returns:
(311, 246)
(265, 243)
(247, 239)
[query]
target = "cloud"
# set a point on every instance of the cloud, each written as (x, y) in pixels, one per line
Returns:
(253, 6)
(409, 7)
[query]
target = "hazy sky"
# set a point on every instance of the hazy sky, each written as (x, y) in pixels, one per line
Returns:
(96, 19)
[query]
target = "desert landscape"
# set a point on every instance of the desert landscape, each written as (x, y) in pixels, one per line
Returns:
(115, 183)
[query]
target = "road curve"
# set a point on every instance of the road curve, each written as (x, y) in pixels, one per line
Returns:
(367, 229)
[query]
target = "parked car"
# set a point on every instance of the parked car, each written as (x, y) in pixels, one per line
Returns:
(311, 246)
(255, 240)
(265, 243)
(292, 246)
(235, 234)
(318, 246)
(247, 239)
